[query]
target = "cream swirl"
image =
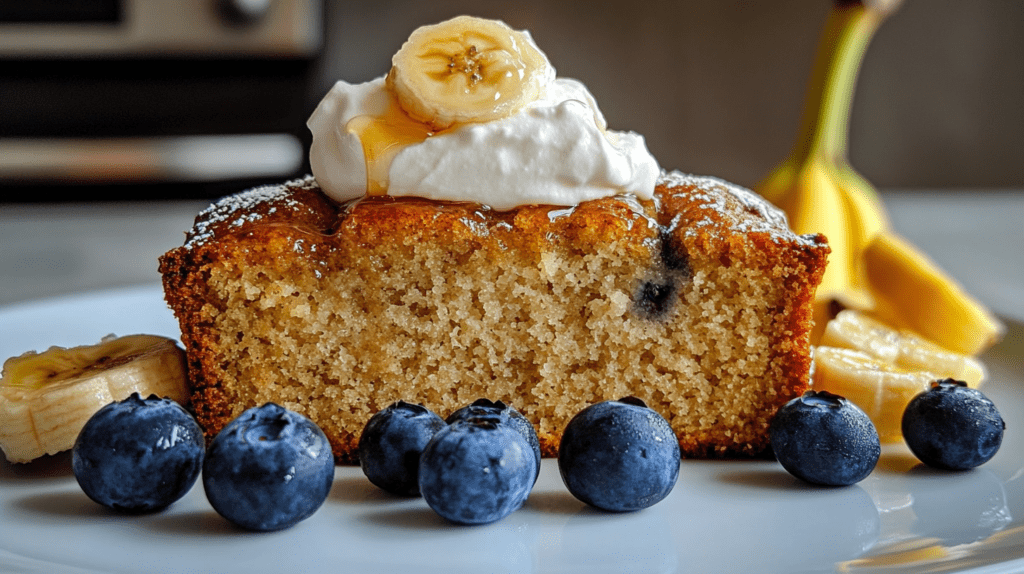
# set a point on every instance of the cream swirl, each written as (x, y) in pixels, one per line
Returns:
(555, 151)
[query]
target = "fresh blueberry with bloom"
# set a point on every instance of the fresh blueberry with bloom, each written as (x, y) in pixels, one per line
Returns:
(825, 439)
(138, 455)
(953, 427)
(619, 456)
(507, 414)
(268, 469)
(476, 471)
(391, 443)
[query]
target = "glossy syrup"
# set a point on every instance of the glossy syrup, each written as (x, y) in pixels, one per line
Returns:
(382, 137)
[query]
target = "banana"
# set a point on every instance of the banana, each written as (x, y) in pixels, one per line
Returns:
(854, 330)
(913, 293)
(881, 369)
(870, 269)
(815, 201)
(815, 185)
(467, 69)
(881, 389)
(46, 398)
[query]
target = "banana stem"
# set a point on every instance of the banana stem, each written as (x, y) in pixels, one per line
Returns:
(847, 34)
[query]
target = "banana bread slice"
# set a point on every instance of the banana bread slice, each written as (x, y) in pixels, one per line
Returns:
(698, 303)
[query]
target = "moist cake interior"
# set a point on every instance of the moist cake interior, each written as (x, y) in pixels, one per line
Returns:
(697, 303)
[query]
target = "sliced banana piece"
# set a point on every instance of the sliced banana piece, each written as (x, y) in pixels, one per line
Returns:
(467, 69)
(855, 330)
(46, 398)
(881, 389)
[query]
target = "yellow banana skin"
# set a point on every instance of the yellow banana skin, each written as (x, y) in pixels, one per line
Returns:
(821, 193)
(914, 294)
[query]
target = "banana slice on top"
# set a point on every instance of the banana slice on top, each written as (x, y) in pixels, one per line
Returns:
(467, 69)
(46, 398)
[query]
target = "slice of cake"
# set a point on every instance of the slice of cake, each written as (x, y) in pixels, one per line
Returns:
(475, 230)
(697, 301)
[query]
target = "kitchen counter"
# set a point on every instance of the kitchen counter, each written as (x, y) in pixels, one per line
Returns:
(49, 250)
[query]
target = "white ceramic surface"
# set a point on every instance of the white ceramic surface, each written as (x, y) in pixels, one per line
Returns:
(723, 516)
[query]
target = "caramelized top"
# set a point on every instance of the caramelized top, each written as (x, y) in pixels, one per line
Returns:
(684, 204)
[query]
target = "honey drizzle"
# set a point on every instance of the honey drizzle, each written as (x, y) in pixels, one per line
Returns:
(382, 137)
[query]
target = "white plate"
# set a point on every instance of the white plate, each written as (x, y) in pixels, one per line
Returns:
(723, 516)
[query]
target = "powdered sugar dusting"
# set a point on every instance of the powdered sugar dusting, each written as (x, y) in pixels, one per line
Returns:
(709, 193)
(633, 203)
(708, 190)
(244, 203)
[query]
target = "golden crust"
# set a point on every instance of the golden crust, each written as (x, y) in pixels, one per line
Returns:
(699, 302)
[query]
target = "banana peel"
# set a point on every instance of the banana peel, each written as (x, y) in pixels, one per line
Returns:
(913, 293)
(817, 198)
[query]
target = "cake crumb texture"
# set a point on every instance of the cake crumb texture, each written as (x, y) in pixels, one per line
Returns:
(698, 303)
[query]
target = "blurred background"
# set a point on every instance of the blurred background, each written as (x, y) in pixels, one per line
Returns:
(154, 99)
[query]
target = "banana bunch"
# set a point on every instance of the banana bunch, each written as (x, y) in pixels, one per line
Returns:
(467, 69)
(871, 268)
(46, 398)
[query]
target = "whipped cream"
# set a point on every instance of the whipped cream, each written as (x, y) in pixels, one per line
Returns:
(557, 150)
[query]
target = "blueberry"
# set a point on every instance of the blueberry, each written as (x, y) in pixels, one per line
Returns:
(654, 299)
(138, 455)
(476, 471)
(506, 414)
(824, 439)
(619, 456)
(268, 469)
(951, 426)
(391, 444)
